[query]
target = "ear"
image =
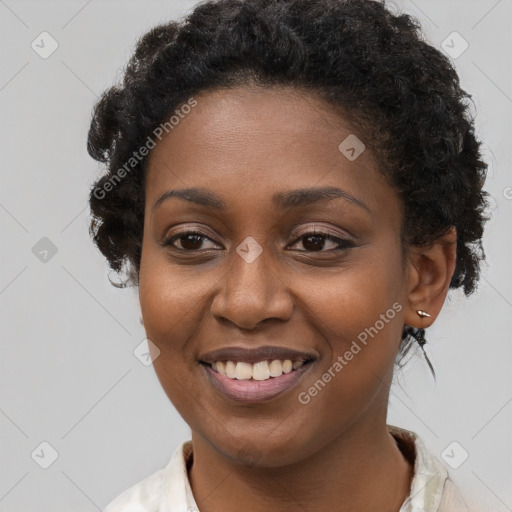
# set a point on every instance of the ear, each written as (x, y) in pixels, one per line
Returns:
(429, 272)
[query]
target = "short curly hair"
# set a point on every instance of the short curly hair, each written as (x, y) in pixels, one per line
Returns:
(372, 65)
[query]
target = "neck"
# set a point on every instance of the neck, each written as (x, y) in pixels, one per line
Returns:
(361, 470)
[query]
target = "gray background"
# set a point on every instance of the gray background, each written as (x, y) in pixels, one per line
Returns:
(68, 374)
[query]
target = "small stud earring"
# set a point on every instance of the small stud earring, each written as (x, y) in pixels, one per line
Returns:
(423, 314)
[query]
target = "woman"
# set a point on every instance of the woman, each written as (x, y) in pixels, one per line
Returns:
(294, 186)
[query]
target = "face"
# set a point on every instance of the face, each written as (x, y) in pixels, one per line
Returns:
(247, 268)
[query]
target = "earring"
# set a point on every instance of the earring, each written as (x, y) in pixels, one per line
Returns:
(419, 336)
(423, 314)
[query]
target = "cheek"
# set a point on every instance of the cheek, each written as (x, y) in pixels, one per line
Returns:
(353, 300)
(171, 301)
(359, 317)
(166, 291)
(174, 301)
(359, 313)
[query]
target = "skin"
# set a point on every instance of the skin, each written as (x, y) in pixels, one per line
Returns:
(335, 452)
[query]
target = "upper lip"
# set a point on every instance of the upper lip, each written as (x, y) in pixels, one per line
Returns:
(254, 355)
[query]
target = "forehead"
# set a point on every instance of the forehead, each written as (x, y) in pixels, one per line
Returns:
(234, 115)
(257, 139)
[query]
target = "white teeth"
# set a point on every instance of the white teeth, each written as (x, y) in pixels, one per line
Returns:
(262, 370)
(243, 371)
(230, 369)
(221, 367)
(276, 368)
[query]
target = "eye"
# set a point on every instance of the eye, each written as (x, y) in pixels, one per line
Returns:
(314, 241)
(189, 241)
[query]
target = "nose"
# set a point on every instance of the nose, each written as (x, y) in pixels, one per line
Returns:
(252, 292)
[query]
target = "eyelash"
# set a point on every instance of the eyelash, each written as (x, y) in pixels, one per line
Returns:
(343, 244)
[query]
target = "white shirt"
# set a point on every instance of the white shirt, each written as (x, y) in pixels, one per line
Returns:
(168, 490)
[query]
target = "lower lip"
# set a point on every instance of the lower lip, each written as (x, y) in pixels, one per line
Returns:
(255, 390)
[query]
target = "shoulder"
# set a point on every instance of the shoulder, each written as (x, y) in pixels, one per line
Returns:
(169, 482)
(452, 500)
(141, 497)
(432, 490)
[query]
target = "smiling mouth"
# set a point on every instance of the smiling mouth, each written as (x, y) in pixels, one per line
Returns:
(256, 374)
(259, 371)
(245, 388)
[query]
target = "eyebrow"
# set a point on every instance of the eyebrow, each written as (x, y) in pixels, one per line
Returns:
(283, 200)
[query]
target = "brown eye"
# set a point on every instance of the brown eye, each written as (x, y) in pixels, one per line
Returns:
(189, 241)
(316, 242)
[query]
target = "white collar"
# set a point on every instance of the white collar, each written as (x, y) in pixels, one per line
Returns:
(168, 490)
